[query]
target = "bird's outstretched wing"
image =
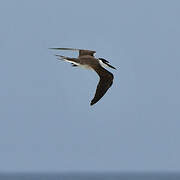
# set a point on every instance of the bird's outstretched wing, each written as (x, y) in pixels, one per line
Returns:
(105, 82)
(71, 49)
(82, 52)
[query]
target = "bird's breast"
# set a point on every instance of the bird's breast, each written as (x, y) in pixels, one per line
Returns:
(85, 66)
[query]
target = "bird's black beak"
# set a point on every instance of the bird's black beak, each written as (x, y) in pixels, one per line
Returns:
(111, 66)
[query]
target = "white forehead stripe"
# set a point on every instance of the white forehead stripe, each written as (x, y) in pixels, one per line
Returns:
(102, 64)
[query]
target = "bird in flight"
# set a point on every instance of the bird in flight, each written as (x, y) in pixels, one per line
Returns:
(87, 60)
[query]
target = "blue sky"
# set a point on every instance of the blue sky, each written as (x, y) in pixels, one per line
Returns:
(46, 122)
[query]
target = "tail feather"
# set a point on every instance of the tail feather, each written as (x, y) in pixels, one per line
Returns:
(74, 61)
(61, 57)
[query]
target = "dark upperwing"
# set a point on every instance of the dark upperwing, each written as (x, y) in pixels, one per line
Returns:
(105, 82)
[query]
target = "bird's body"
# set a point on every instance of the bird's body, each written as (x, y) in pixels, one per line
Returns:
(87, 60)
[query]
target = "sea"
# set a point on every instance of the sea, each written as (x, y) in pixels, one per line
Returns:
(90, 176)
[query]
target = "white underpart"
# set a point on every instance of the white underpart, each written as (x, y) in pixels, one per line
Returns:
(72, 62)
(80, 65)
(85, 66)
(102, 64)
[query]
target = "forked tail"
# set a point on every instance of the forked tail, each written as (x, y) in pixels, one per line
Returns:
(68, 59)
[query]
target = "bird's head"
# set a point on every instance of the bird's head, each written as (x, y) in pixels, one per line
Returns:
(104, 62)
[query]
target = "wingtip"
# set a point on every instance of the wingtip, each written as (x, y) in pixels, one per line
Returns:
(71, 49)
(55, 48)
(92, 103)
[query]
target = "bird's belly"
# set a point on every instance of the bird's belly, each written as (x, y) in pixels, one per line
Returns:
(85, 66)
